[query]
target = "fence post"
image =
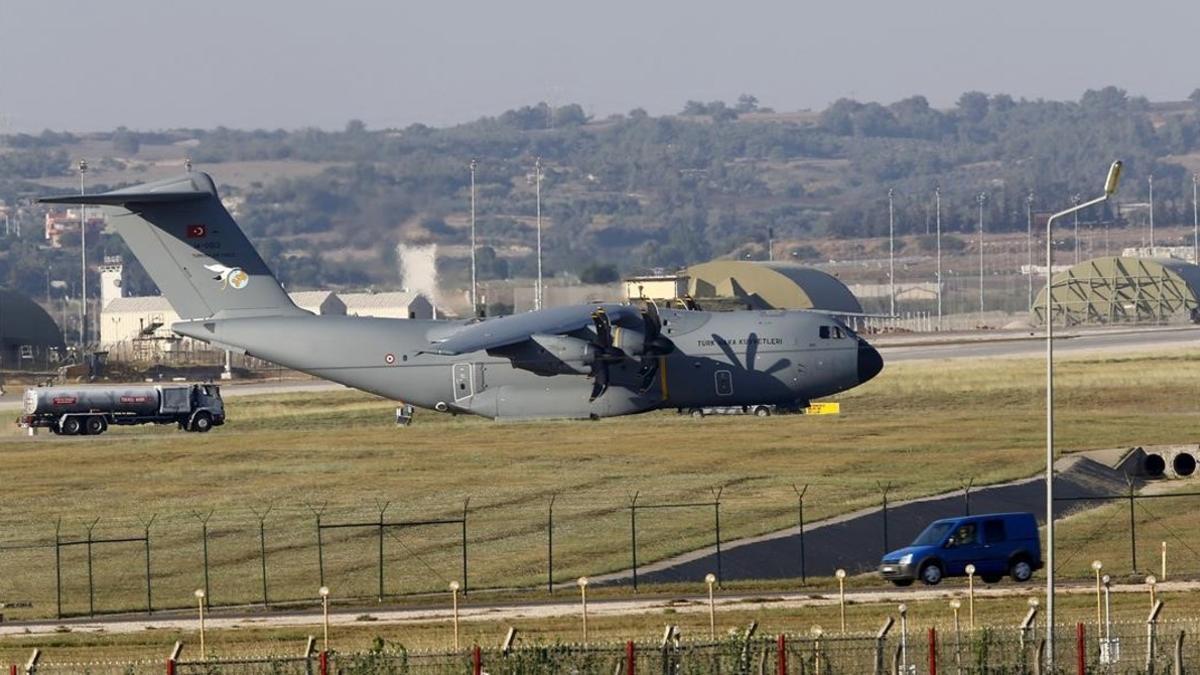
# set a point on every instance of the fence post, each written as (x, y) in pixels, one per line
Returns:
(880, 641)
(170, 667)
(149, 596)
(477, 661)
(717, 507)
(1080, 649)
(1151, 626)
(932, 651)
(58, 566)
(885, 489)
(1039, 657)
(465, 585)
(324, 663)
(204, 538)
(633, 537)
(1179, 654)
(630, 658)
(781, 654)
(800, 508)
(91, 584)
(550, 546)
(1132, 527)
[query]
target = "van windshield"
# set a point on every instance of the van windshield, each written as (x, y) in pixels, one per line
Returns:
(934, 535)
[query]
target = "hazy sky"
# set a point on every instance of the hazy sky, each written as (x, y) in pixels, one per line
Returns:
(155, 64)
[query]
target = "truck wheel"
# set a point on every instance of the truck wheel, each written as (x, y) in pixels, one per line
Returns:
(762, 411)
(95, 425)
(71, 426)
(202, 422)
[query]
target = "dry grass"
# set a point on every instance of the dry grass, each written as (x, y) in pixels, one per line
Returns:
(923, 426)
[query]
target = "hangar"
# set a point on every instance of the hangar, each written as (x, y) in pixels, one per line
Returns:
(770, 285)
(1123, 290)
(29, 338)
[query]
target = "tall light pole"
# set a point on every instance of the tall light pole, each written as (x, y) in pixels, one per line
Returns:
(324, 593)
(981, 199)
(537, 179)
(583, 584)
(1195, 225)
(937, 198)
(891, 253)
(474, 283)
(199, 593)
(1029, 243)
(1150, 181)
(1110, 187)
(1075, 200)
(83, 167)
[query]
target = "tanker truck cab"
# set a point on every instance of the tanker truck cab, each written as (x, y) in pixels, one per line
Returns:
(997, 544)
(207, 408)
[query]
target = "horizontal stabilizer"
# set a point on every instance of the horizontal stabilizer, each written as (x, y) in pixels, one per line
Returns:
(126, 198)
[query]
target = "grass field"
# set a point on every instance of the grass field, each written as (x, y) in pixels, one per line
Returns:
(926, 427)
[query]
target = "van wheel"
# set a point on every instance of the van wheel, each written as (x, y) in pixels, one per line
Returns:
(902, 583)
(991, 578)
(1020, 570)
(202, 423)
(931, 573)
(71, 426)
(762, 411)
(95, 425)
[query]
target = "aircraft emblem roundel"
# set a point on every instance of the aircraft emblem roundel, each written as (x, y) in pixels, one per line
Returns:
(238, 278)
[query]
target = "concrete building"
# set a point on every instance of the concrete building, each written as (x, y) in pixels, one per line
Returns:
(319, 302)
(29, 338)
(655, 287)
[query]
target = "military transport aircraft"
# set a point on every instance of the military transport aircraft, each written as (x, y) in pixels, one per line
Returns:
(583, 361)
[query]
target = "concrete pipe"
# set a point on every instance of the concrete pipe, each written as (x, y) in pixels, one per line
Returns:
(1184, 464)
(1154, 465)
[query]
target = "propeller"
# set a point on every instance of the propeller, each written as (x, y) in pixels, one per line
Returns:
(653, 346)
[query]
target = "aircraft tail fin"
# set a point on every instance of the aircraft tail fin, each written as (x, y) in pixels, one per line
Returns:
(191, 247)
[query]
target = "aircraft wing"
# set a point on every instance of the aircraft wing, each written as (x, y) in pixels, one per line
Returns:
(510, 330)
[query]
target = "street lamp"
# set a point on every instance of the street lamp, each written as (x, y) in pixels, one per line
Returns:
(955, 604)
(1096, 567)
(583, 584)
(841, 578)
(817, 632)
(474, 282)
(1029, 244)
(937, 198)
(1110, 187)
(711, 579)
(454, 599)
(891, 257)
(970, 570)
(1151, 582)
(324, 593)
(83, 167)
(982, 199)
(903, 609)
(537, 177)
(199, 593)
(1107, 610)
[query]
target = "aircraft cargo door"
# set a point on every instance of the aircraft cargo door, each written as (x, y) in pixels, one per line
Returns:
(724, 382)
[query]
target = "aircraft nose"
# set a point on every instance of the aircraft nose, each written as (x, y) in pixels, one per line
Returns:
(870, 363)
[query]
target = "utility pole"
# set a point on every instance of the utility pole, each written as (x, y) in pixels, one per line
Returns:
(1195, 225)
(891, 253)
(937, 198)
(1029, 243)
(981, 199)
(83, 167)
(537, 177)
(474, 283)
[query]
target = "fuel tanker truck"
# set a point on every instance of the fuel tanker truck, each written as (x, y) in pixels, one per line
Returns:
(89, 410)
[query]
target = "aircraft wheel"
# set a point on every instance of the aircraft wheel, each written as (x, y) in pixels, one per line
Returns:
(95, 425)
(697, 413)
(762, 411)
(71, 426)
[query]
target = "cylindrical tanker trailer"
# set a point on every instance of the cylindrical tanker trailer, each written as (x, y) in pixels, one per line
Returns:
(76, 410)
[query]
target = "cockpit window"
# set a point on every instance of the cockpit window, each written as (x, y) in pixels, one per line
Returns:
(837, 333)
(824, 332)
(831, 332)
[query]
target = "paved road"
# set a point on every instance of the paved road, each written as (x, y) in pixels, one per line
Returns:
(474, 610)
(1025, 345)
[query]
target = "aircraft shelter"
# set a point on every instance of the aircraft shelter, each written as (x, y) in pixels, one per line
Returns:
(1123, 290)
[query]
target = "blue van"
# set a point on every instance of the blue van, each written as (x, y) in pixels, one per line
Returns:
(996, 543)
